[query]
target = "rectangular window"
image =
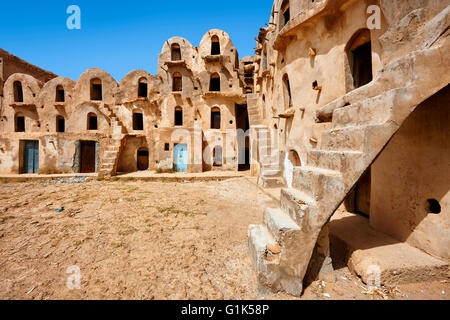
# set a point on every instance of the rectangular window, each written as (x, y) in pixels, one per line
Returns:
(93, 123)
(167, 147)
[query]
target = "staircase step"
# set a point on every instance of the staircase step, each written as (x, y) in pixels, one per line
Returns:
(371, 111)
(318, 183)
(336, 160)
(279, 223)
(270, 173)
(258, 239)
(296, 204)
(357, 138)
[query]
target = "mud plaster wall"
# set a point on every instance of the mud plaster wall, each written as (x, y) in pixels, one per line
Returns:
(413, 168)
(128, 156)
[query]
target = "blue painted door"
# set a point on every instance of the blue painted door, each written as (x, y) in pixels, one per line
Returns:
(180, 157)
(31, 157)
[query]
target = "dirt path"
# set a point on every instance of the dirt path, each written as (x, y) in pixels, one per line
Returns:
(140, 240)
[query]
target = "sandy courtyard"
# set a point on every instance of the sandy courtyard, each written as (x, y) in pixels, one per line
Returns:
(144, 240)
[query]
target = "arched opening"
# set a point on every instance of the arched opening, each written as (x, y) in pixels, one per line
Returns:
(214, 84)
(142, 88)
(215, 45)
(178, 116)
(60, 124)
(215, 118)
(142, 159)
(248, 90)
(217, 156)
(287, 92)
(177, 82)
(175, 52)
(92, 121)
(19, 123)
(285, 13)
(359, 55)
(138, 121)
(96, 90)
(18, 91)
(60, 94)
(295, 158)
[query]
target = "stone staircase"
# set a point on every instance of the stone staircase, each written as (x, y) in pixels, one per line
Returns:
(270, 174)
(110, 156)
(363, 122)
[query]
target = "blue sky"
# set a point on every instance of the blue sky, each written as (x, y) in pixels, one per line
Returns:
(120, 36)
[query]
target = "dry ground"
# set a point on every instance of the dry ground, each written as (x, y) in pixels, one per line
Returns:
(144, 240)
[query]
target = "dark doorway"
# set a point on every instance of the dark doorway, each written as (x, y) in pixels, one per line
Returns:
(18, 91)
(60, 94)
(92, 121)
(96, 90)
(142, 89)
(215, 46)
(138, 121)
(214, 84)
(60, 124)
(30, 157)
(215, 118)
(142, 159)
(88, 156)
(362, 65)
(178, 116)
(20, 124)
(176, 52)
(242, 122)
(217, 156)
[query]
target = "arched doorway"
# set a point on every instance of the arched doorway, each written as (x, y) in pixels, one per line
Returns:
(291, 161)
(142, 159)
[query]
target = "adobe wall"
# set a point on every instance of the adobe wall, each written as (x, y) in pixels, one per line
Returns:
(412, 169)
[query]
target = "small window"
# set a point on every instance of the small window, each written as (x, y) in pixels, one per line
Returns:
(177, 84)
(96, 90)
(18, 92)
(60, 124)
(175, 52)
(92, 121)
(214, 84)
(20, 124)
(178, 116)
(215, 118)
(143, 88)
(60, 94)
(167, 147)
(138, 121)
(215, 46)
(359, 54)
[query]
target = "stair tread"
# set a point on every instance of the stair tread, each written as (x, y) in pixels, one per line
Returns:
(280, 219)
(297, 194)
(261, 237)
(323, 171)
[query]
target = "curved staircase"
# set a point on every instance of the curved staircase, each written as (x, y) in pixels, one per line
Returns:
(363, 123)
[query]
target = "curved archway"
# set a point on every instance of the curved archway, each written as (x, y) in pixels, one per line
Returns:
(142, 88)
(291, 161)
(18, 91)
(60, 95)
(215, 118)
(215, 45)
(177, 82)
(359, 60)
(175, 52)
(214, 84)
